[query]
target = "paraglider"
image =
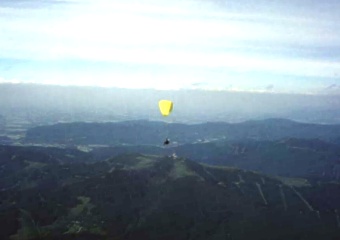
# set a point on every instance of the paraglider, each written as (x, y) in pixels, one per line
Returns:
(165, 107)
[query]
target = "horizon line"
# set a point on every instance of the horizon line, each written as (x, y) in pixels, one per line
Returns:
(205, 89)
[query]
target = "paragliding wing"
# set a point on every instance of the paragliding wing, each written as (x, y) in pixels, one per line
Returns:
(165, 106)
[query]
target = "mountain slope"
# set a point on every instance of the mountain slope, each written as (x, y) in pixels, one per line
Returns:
(291, 157)
(140, 196)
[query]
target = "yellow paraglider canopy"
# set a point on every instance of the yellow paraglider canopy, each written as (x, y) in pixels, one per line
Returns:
(165, 106)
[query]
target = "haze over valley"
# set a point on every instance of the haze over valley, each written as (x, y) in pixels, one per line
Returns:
(26, 105)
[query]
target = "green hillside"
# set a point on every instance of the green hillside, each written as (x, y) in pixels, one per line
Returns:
(291, 157)
(140, 196)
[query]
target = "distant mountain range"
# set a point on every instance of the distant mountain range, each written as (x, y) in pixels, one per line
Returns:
(138, 196)
(153, 133)
(273, 146)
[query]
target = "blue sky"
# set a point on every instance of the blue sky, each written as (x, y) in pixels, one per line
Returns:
(262, 46)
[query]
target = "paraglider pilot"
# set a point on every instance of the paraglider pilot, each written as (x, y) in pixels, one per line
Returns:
(165, 106)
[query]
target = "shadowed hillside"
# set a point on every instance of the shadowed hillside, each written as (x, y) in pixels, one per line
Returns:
(140, 196)
(291, 157)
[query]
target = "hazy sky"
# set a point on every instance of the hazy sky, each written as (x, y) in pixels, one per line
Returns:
(270, 46)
